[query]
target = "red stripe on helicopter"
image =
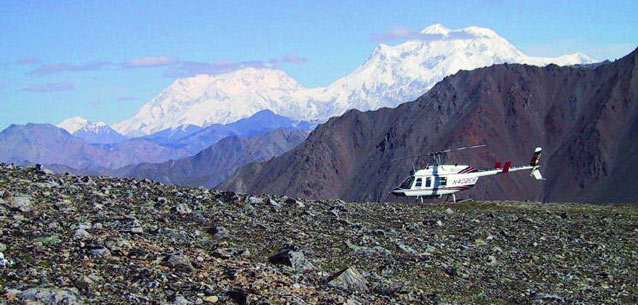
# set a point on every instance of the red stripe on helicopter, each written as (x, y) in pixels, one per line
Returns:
(466, 170)
(506, 168)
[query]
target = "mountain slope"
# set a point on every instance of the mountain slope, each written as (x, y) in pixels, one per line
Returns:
(584, 118)
(390, 76)
(47, 144)
(259, 123)
(91, 132)
(217, 162)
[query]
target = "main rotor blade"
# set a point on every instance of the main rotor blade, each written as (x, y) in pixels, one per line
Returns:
(407, 157)
(462, 148)
(440, 152)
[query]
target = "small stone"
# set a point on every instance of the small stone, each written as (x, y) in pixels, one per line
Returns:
(230, 197)
(254, 200)
(449, 211)
(439, 223)
(407, 249)
(211, 299)
(181, 300)
(101, 252)
(42, 170)
(86, 180)
(182, 209)
(222, 253)
(84, 283)
(273, 203)
(3, 262)
(137, 230)
(218, 231)
(81, 234)
(240, 296)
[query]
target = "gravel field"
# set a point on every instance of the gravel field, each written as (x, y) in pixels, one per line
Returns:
(68, 239)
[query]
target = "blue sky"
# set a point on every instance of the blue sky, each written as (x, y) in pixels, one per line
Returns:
(103, 59)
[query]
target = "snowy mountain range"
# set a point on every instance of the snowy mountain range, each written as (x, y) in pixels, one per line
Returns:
(390, 76)
(91, 132)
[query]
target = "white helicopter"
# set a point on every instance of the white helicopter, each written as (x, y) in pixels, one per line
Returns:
(437, 180)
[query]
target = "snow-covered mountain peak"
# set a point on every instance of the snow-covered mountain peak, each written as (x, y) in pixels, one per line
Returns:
(479, 32)
(207, 99)
(76, 123)
(91, 132)
(436, 28)
(393, 74)
(248, 79)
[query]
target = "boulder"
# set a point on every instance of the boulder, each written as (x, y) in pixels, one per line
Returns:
(348, 279)
(52, 296)
(180, 263)
(292, 256)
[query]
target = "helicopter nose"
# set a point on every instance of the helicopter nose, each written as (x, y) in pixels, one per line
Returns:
(398, 192)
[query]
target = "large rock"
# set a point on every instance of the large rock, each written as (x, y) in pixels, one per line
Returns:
(348, 279)
(52, 296)
(180, 263)
(21, 203)
(292, 256)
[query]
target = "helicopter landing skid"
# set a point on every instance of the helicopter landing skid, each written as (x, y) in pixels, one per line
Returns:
(454, 200)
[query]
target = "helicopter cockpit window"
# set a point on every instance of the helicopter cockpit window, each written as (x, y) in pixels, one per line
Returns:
(428, 182)
(407, 183)
(418, 183)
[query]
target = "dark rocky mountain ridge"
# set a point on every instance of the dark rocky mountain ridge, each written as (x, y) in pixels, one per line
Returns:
(585, 118)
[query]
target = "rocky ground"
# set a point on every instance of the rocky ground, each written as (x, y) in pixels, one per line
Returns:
(68, 239)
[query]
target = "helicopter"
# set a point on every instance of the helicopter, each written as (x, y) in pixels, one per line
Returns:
(437, 179)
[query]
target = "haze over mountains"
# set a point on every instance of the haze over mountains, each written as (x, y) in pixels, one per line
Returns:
(95, 148)
(585, 118)
(91, 132)
(214, 164)
(390, 76)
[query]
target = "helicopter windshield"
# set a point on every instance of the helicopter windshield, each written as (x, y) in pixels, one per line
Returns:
(407, 183)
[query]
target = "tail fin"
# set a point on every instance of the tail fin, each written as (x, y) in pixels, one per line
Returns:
(536, 157)
(535, 166)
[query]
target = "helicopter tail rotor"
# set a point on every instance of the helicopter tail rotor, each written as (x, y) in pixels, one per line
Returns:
(536, 173)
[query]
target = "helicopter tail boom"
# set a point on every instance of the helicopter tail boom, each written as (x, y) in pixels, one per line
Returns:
(507, 168)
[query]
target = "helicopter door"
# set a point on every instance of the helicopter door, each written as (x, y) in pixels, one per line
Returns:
(418, 183)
